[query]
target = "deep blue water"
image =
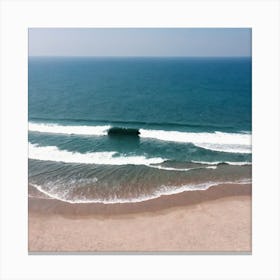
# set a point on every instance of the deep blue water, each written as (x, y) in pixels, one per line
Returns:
(193, 116)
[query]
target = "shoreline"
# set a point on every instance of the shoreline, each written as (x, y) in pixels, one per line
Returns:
(46, 206)
(217, 220)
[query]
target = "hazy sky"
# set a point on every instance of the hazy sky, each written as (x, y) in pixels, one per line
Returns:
(140, 42)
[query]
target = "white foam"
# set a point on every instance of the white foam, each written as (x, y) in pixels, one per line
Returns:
(180, 169)
(162, 191)
(52, 153)
(169, 168)
(227, 148)
(227, 162)
(169, 190)
(216, 141)
(69, 129)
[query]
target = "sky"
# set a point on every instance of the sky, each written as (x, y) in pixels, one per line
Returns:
(189, 42)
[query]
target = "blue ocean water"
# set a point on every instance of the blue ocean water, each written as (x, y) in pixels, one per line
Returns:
(191, 121)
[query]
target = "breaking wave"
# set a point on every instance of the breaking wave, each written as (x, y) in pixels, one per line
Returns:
(215, 141)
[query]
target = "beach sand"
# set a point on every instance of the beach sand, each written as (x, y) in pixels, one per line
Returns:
(214, 220)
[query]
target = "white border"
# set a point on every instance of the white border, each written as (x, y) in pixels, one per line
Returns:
(262, 16)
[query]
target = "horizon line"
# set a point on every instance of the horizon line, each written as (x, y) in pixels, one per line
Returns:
(140, 56)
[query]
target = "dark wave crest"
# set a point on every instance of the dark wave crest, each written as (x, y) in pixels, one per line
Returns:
(121, 131)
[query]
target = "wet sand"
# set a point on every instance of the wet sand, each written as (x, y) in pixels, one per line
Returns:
(214, 220)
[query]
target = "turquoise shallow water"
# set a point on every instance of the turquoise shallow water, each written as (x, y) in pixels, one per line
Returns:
(191, 119)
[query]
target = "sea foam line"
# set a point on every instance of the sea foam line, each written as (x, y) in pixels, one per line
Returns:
(162, 191)
(221, 162)
(181, 169)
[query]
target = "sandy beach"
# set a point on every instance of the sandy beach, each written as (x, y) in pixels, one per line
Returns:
(214, 220)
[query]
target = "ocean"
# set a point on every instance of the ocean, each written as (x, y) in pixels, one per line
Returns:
(116, 130)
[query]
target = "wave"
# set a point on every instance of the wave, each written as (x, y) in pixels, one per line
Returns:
(181, 169)
(223, 162)
(215, 141)
(203, 165)
(52, 153)
(162, 191)
(134, 123)
(226, 148)
(69, 129)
